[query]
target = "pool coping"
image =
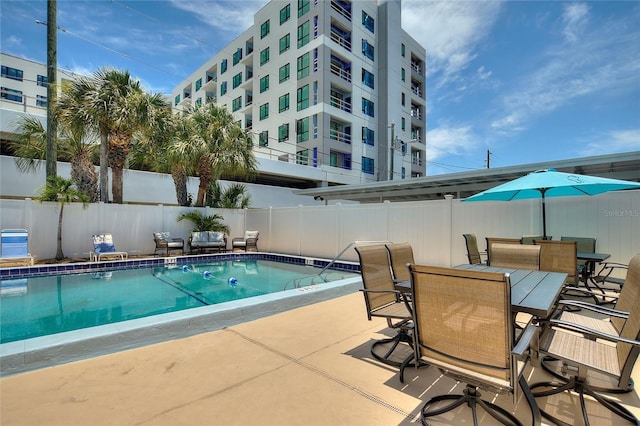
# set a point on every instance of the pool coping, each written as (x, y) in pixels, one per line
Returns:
(46, 351)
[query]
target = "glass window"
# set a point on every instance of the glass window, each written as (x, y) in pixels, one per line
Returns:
(175, 101)
(264, 111)
(402, 123)
(367, 21)
(236, 104)
(303, 34)
(265, 28)
(367, 49)
(264, 84)
(12, 73)
(402, 49)
(303, 97)
(303, 66)
(223, 66)
(283, 132)
(368, 107)
(303, 7)
(237, 80)
(237, 56)
(285, 72)
(302, 130)
(285, 43)
(264, 56)
(263, 138)
(223, 88)
(199, 102)
(285, 14)
(402, 74)
(367, 78)
(42, 80)
(368, 165)
(402, 97)
(283, 103)
(41, 101)
(198, 84)
(368, 136)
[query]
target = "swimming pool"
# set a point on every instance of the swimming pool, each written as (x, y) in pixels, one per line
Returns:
(70, 316)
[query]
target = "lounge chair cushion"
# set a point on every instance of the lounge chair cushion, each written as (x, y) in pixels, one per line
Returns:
(199, 237)
(216, 237)
(251, 234)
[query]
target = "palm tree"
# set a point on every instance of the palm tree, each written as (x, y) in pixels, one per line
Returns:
(62, 191)
(113, 104)
(204, 223)
(233, 197)
(216, 145)
(31, 146)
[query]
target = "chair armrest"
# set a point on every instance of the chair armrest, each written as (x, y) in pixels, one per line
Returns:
(237, 239)
(524, 341)
(590, 293)
(570, 326)
(177, 240)
(594, 308)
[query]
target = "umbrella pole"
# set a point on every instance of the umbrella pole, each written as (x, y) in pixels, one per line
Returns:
(544, 215)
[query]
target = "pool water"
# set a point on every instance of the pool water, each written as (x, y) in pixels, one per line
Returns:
(40, 306)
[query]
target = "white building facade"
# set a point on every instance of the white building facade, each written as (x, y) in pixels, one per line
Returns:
(334, 91)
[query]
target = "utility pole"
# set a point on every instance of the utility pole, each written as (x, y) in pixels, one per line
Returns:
(488, 159)
(52, 80)
(392, 148)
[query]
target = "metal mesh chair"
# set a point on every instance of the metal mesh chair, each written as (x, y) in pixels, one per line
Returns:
(498, 240)
(472, 249)
(400, 254)
(463, 327)
(515, 256)
(383, 300)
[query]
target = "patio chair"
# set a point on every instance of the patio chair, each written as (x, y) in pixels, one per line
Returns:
(165, 243)
(559, 256)
(494, 240)
(529, 239)
(474, 256)
(584, 346)
(246, 243)
(14, 247)
(463, 327)
(400, 254)
(515, 256)
(384, 301)
(583, 245)
(103, 249)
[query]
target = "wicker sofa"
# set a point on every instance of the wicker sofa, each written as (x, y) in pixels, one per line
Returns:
(203, 241)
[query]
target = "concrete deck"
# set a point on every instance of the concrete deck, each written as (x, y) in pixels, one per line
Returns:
(308, 366)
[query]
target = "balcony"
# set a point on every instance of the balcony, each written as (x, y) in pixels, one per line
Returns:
(341, 37)
(342, 7)
(340, 68)
(340, 101)
(416, 112)
(210, 81)
(340, 131)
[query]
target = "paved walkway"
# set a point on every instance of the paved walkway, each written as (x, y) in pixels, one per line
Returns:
(308, 366)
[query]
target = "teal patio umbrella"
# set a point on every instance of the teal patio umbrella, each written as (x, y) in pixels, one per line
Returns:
(551, 183)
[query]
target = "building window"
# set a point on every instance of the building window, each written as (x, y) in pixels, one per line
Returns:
(263, 138)
(265, 28)
(237, 80)
(42, 80)
(303, 7)
(303, 34)
(11, 94)
(402, 101)
(367, 165)
(237, 56)
(402, 74)
(368, 136)
(368, 107)
(283, 132)
(41, 101)
(223, 66)
(285, 43)
(367, 49)
(303, 66)
(198, 84)
(339, 159)
(264, 56)
(367, 21)
(12, 73)
(367, 78)
(283, 103)
(264, 111)
(402, 123)
(402, 49)
(302, 130)
(236, 104)
(285, 14)
(176, 100)
(303, 97)
(199, 102)
(285, 72)
(264, 84)
(223, 88)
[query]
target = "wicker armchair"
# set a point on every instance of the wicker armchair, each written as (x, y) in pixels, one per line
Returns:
(463, 327)
(165, 244)
(246, 243)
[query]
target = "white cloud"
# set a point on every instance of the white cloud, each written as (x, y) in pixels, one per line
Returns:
(575, 18)
(445, 140)
(450, 31)
(226, 16)
(613, 142)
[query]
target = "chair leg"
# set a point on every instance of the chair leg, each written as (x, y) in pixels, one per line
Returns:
(546, 361)
(471, 397)
(401, 337)
(581, 388)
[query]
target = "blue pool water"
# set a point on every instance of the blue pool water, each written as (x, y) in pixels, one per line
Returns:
(45, 305)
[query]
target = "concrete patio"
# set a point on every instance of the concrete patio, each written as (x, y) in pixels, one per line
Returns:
(308, 366)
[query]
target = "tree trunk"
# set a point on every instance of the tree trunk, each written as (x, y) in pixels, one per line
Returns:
(104, 167)
(179, 175)
(119, 149)
(84, 175)
(52, 83)
(59, 254)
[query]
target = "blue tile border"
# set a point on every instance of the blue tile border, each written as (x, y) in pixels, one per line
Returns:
(87, 267)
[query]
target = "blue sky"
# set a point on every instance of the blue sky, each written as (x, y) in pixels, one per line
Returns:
(529, 81)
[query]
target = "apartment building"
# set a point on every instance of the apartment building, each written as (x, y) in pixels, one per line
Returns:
(333, 91)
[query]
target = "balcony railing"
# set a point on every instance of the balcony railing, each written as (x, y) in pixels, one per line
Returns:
(338, 7)
(345, 74)
(339, 136)
(416, 67)
(417, 91)
(344, 105)
(338, 38)
(417, 161)
(416, 113)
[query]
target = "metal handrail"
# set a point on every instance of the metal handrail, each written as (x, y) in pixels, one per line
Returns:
(351, 244)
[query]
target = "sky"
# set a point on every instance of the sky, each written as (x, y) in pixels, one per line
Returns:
(527, 81)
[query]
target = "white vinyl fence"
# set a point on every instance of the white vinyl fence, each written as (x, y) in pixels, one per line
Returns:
(434, 228)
